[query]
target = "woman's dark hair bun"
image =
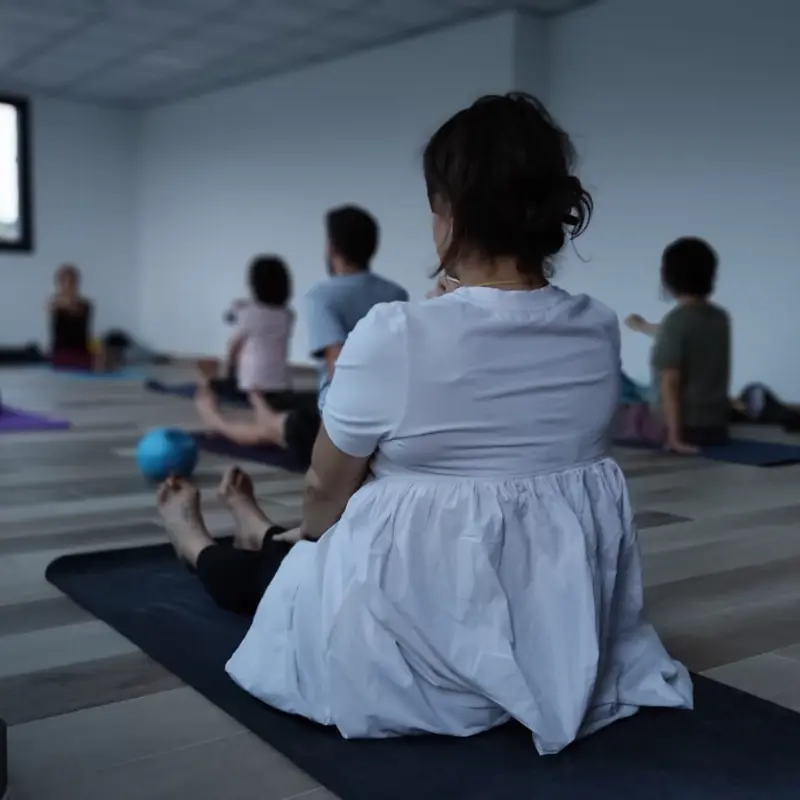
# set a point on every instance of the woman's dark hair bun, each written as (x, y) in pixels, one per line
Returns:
(563, 214)
(503, 170)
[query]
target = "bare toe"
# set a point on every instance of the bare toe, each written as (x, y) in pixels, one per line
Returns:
(244, 484)
(236, 484)
(179, 506)
(236, 489)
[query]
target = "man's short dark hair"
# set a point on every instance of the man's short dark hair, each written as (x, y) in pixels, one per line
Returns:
(689, 268)
(353, 233)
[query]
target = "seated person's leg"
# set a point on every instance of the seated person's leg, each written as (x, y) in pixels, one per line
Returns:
(706, 437)
(264, 428)
(235, 579)
(72, 359)
(294, 430)
(221, 379)
(108, 358)
(110, 355)
(300, 430)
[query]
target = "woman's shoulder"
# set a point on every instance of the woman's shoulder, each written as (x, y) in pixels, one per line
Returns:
(390, 317)
(585, 311)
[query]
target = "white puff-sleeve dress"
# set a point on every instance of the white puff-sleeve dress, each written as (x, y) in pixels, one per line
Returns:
(490, 569)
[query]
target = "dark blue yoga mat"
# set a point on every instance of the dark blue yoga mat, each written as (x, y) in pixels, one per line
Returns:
(124, 374)
(262, 454)
(755, 454)
(743, 451)
(187, 391)
(732, 747)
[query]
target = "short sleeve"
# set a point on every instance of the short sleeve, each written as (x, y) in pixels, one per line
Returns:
(367, 396)
(325, 327)
(243, 320)
(668, 346)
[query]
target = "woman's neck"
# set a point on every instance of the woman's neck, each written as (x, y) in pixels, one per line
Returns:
(499, 274)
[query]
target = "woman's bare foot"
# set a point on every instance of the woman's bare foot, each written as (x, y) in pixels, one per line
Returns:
(271, 422)
(179, 506)
(207, 406)
(236, 490)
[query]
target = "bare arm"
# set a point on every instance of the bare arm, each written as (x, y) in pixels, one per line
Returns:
(365, 399)
(331, 355)
(639, 324)
(334, 477)
(234, 348)
(671, 404)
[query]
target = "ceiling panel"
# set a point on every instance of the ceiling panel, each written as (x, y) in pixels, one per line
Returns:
(48, 12)
(142, 52)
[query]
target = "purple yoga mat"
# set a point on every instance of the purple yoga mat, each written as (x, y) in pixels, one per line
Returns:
(13, 420)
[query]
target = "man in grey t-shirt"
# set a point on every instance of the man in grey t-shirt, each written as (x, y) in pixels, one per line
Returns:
(334, 308)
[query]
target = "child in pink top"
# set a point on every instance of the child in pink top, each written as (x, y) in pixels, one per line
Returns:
(257, 356)
(260, 343)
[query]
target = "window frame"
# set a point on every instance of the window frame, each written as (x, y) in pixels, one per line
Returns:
(25, 242)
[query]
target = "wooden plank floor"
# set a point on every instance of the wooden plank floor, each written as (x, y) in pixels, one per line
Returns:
(91, 717)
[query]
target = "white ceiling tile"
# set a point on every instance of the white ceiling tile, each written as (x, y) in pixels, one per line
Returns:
(106, 45)
(197, 51)
(44, 16)
(379, 24)
(276, 16)
(238, 34)
(135, 50)
(186, 7)
(477, 5)
(13, 45)
(50, 76)
(414, 14)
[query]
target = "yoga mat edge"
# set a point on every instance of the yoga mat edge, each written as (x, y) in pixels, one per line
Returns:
(733, 747)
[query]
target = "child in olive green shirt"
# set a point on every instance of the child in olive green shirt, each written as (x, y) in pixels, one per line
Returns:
(691, 357)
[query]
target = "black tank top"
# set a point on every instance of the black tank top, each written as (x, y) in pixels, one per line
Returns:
(70, 328)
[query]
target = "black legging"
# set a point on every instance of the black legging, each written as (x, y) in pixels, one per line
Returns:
(237, 579)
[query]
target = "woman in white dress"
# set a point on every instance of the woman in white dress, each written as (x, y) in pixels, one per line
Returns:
(468, 552)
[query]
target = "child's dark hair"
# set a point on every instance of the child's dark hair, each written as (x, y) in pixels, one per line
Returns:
(270, 281)
(689, 268)
(502, 169)
(353, 233)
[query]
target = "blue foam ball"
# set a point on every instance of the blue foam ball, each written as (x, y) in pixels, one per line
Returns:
(167, 451)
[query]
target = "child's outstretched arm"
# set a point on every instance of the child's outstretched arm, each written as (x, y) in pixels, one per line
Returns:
(638, 323)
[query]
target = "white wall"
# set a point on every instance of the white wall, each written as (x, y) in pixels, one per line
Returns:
(253, 169)
(84, 163)
(531, 56)
(686, 115)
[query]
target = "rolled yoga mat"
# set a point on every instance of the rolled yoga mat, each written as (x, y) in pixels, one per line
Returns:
(732, 747)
